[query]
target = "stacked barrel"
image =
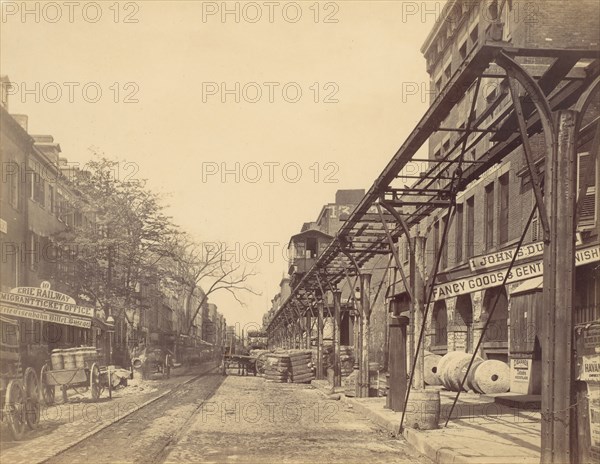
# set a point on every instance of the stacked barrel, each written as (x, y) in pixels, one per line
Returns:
(301, 366)
(346, 360)
(277, 367)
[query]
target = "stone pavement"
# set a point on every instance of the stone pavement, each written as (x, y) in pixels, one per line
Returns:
(64, 425)
(479, 431)
(250, 421)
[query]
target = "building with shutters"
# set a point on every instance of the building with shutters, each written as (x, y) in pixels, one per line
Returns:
(492, 212)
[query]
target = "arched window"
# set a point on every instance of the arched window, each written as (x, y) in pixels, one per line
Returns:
(464, 319)
(497, 330)
(440, 323)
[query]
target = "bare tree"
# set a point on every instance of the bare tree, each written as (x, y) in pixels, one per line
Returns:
(211, 267)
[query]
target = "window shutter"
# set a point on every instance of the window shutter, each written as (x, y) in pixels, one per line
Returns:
(535, 227)
(588, 207)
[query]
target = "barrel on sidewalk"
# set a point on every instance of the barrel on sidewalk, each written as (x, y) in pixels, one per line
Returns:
(423, 409)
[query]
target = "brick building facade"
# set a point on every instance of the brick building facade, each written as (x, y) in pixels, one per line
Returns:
(38, 201)
(492, 211)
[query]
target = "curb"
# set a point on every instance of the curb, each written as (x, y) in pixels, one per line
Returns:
(121, 417)
(440, 453)
(389, 425)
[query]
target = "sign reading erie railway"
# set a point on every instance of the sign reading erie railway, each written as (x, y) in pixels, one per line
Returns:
(44, 304)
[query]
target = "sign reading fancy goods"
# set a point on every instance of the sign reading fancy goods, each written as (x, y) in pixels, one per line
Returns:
(495, 278)
(44, 304)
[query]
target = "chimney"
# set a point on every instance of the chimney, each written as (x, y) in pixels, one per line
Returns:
(4, 87)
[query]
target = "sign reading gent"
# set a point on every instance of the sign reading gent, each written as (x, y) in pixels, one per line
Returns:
(495, 278)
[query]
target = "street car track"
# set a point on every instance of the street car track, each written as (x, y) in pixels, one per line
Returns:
(146, 431)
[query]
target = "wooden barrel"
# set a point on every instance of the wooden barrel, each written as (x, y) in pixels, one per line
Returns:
(423, 410)
(56, 358)
(69, 358)
(79, 354)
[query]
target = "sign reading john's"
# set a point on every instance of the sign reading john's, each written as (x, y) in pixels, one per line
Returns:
(518, 273)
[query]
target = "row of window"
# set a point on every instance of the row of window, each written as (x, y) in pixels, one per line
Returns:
(496, 218)
(464, 229)
(46, 196)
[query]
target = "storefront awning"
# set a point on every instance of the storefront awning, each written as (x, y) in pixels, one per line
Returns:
(100, 324)
(537, 283)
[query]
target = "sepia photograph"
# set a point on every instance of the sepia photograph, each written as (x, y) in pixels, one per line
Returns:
(311, 231)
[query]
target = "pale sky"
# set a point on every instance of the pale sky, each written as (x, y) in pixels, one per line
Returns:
(173, 63)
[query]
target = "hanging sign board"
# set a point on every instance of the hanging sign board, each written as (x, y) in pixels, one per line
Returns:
(589, 370)
(505, 256)
(45, 316)
(495, 278)
(43, 304)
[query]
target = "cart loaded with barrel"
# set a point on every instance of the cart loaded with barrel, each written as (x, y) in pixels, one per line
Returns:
(80, 369)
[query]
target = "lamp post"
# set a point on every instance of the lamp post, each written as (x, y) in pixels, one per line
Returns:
(110, 321)
(357, 340)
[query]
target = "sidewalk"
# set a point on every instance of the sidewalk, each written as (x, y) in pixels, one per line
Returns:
(479, 432)
(64, 425)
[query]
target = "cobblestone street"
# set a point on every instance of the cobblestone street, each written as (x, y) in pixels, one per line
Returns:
(64, 425)
(217, 419)
(333, 232)
(249, 420)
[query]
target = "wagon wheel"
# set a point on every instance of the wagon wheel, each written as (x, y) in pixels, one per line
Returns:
(167, 367)
(95, 387)
(260, 363)
(32, 398)
(47, 390)
(14, 405)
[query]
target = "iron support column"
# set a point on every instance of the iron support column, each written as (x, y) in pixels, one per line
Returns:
(559, 280)
(320, 340)
(418, 307)
(337, 314)
(308, 335)
(365, 297)
(397, 358)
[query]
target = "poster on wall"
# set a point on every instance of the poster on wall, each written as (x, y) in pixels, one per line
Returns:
(589, 369)
(520, 375)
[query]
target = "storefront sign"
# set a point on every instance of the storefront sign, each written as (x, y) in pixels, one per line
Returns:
(521, 370)
(38, 315)
(495, 278)
(505, 256)
(591, 340)
(589, 369)
(45, 299)
(521, 375)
